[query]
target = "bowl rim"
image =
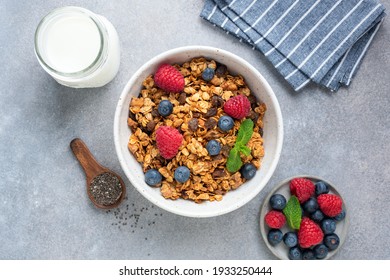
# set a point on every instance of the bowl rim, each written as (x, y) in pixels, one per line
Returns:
(160, 59)
(279, 185)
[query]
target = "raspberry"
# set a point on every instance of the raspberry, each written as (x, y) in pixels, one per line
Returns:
(168, 141)
(309, 233)
(275, 219)
(330, 204)
(302, 188)
(237, 107)
(169, 78)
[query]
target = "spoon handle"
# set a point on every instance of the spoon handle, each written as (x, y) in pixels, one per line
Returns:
(91, 167)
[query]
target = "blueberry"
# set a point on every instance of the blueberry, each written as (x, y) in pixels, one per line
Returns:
(225, 123)
(321, 187)
(331, 241)
(208, 74)
(308, 255)
(182, 174)
(153, 177)
(277, 201)
(248, 171)
(290, 239)
(165, 108)
(340, 216)
(295, 253)
(317, 216)
(328, 226)
(274, 236)
(320, 251)
(311, 205)
(213, 147)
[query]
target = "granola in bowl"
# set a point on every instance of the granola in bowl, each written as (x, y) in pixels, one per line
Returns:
(195, 114)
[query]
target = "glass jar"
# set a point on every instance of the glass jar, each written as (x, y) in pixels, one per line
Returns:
(77, 48)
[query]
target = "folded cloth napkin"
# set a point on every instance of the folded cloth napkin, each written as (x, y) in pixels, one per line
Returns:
(322, 41)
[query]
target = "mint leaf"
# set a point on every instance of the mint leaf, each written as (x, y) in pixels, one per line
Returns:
(245, 132)
(245, 150)
(293, 213)
(234, 162)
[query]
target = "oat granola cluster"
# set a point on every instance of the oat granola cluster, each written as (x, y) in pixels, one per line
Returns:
(195, 114)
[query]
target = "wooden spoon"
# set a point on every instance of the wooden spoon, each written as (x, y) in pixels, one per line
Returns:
(92, 169)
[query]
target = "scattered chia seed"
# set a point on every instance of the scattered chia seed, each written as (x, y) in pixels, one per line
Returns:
(105, 189)
(131, 218)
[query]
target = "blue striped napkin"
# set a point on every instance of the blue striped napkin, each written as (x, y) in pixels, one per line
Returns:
(322, 41)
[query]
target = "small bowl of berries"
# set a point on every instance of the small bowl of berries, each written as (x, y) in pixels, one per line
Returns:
(304, 218)
(198, 131)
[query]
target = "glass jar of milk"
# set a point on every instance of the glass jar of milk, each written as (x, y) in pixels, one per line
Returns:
(77, 48)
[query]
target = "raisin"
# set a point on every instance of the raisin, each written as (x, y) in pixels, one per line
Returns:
(210, 123)
(216, 101)
(193, 124)
(150, 126)
(225, 150)
(254, 116)
(253, 101)
(182, 98)
(211, 112)
(219, 173)
(217, 157)
(221, 70)
(155, 113)
(196, 114)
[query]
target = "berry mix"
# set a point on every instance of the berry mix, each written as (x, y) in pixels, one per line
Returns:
(196, 130)
(311, 215)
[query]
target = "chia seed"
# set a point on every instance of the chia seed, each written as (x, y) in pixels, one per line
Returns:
(106, 189)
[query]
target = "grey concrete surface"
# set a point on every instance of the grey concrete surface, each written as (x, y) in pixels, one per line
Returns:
(44, 209)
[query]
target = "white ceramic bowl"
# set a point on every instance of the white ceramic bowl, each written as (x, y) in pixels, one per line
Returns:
(273, 133)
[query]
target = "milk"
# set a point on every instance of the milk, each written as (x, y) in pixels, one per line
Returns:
(72, 43)
(78, 48)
